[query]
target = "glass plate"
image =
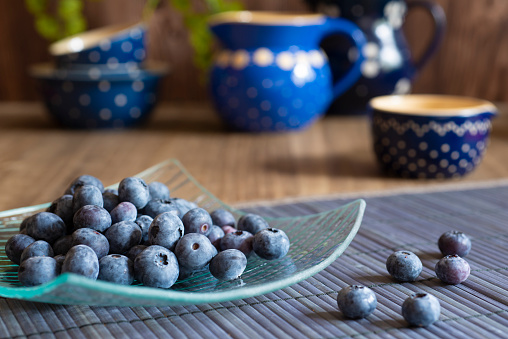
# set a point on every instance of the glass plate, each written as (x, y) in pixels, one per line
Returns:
(316, 241)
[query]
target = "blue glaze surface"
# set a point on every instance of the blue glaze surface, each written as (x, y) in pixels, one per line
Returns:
(274, 77)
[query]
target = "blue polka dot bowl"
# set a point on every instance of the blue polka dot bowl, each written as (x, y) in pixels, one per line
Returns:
(430, 136)
(80, 99)
(113, 47)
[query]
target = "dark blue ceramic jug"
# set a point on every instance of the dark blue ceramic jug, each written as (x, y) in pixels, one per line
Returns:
(389, 67)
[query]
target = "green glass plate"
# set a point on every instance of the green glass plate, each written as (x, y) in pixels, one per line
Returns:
(316, 241)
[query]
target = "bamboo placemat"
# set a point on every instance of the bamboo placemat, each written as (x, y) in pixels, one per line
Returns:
(477, 308)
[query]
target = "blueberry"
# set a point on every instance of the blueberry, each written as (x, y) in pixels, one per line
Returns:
(81, 260)
(404, 266)
(116, 268)
(228, 264)
(111, 190)
(158, 190)
(22, 226)
(144, 222)
(63, 244)
(240, 240)
(124, 211)
(86, 195)
(158, 206)
(59, 262)
(110, 200)
(166, 229)
(134, 190)
(37, 271)
(82, 181)
(39, 248)
(452, 269)
(221, 217)
(134, 251)
(228, 229)
(356, 302)
(454, 242)
(63, 208)
(93, 239)
(215, 235)
(122, 236)
(92, 216)
(252, 223)
(45, 226)
(421, 309)
(183, 205)
(270, 243)
(156, 266)
(15, 246)
(197, 220)
(194, 251)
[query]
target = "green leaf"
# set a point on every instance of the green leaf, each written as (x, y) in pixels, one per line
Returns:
(36, 6)
(75, 26)
(68, 9)
(48, 27)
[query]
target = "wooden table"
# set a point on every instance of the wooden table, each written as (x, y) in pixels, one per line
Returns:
(38, 159)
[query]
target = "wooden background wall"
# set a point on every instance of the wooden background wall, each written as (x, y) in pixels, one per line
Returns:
(473, 59)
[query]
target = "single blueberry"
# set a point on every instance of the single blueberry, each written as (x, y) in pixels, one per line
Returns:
(15, 245)
(22, 226)
(404, 266)
(63, 244)
(81, 260)
(63, 208)
(124, 211)
(37, 271)
(122, 236)
(270, 243)
(111, 190)
(82, 181)
(45, 226)
(59, 262)
(197, 220)
(215, 235)
(165, 230)
(183, 205)
(228, 264)
(144, 222)
(92, 216)
(134, 190)
(156, 266)
(110, 200)
(116, 268)
(356, 302)
(240, 240)
(452, 269)
(158, 190)
(93, 239)
(421, 309)
(39, 248)
(86, 195)
(158, 206)
(221, 217)
(252, 223)
(194, 251)
(134, 251)
(454, 242)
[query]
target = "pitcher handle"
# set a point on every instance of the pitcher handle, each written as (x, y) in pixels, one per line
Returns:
(342, 26)
(438, 15)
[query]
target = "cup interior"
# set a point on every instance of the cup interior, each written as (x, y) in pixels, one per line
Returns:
(432, 105)
(89, 39)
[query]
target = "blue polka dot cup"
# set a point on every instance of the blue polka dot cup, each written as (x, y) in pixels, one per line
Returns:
(430, 136)
(84, 100)
(113, 47)
(271, 74)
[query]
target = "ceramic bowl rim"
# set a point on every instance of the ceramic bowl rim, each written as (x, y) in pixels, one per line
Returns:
(398, 105)
(266, 18)
(49, 71)
(92, 38)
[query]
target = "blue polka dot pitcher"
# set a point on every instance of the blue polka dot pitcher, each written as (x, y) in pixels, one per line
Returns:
(271, 75)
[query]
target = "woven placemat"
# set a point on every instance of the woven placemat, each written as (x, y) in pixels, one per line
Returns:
(477, 308)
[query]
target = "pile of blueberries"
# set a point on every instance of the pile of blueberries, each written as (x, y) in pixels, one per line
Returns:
(420, 309)
(137, 232)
